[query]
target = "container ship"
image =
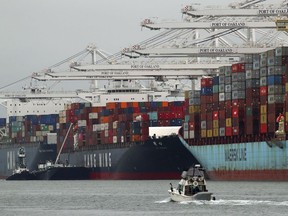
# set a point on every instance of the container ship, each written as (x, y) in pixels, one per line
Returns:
(236, 124)
(111, 139)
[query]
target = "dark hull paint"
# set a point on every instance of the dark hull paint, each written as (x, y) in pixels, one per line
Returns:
(163, 158)
(63, 173)
(35, 153)
(25, 175)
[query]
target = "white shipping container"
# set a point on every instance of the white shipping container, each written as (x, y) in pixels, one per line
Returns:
(186, 135)
(82, 123)
(192, 134)
(33, 139)
(106, 132)
(114, 139)
(96, 127)
(93, 115)
(51, 138)
(115, 124)
(38, 133)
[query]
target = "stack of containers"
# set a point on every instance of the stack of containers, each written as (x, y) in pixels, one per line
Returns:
(275, 85)
(116, 122)
(222, 107)
(283, 53)
(32, 128)
(251, 96)
(206, 107)
(227, 99)
(263, 93)
(252, 93)
(191, 126)
(215, 106)
(238, 98)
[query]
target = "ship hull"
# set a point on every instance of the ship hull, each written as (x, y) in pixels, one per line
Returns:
(63, 173)
(250, 161)
(35, 153)
(162, 158)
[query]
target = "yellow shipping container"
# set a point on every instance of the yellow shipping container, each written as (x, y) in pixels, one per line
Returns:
(286, 87)
(286, 116)
(216, 124)
(263, 109)
(194, 109)
(186, 94)
(228, 122)
(203, 133)
(263, 119)
(209, 133)
(215, 132)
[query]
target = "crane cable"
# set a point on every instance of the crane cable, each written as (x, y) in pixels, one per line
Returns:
(15, 82)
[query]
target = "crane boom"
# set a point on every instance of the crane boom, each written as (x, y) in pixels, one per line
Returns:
(202, 51)
(208, 25)
(238, 12)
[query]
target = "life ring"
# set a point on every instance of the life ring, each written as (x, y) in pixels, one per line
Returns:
(195, 183)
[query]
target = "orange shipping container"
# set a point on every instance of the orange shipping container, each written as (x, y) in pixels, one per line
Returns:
(165, 104)
(111, 105)
(123, 105)
(135, 104)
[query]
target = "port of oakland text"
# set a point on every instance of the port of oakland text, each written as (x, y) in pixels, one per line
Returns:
(235, 154)
(112, 73)
(228, 24)
(273, 11)
(156, 66)
(216, 50)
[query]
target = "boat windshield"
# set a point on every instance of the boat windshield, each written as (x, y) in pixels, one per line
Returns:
(195, 172)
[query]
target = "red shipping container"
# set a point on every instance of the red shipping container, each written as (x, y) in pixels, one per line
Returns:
(228, 131)
(228, 104)
(235, 131)
(263, 90)
(263, 128)
(215, 97)
(207, 82)
(221, 105)
(191, 126)
(235, 112)
(238, 103)
(215, 115)
(239, 67)
(222, 114)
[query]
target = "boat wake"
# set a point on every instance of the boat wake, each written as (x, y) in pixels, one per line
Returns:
(237, 202)
(166, 200)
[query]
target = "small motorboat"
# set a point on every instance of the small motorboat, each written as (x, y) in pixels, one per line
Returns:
(191, 187)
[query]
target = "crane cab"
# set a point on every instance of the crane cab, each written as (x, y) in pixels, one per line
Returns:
(282, 24)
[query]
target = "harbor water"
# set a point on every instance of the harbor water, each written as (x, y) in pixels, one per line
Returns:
(74, 198)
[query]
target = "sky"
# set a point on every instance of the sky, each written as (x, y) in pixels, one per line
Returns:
(36, 34)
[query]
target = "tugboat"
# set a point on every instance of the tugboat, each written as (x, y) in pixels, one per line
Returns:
(21, 172)
(61, 171)
(191, 187)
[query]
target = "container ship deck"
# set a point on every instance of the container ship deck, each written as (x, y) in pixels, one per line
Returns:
(236, 125)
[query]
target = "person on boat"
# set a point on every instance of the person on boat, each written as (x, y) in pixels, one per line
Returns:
(181, 185)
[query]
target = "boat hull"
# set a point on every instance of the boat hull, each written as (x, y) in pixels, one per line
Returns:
(251, 161)
(201, 196)
(162, 158)
(63, 173)
(24, 175)
(35, 153)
